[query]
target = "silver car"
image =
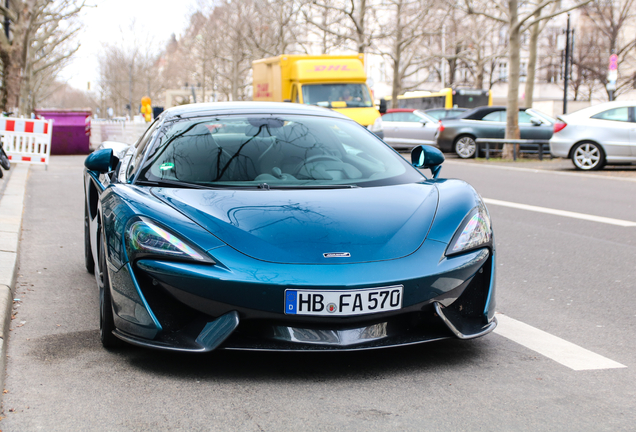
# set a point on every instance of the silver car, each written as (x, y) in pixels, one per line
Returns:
(406, 128)
(596, 136)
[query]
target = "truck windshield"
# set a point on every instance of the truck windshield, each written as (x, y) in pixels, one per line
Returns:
(355, 95)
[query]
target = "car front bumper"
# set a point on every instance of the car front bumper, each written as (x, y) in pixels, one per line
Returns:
(239, 303)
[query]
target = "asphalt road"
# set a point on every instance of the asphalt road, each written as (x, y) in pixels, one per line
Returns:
(569, 277)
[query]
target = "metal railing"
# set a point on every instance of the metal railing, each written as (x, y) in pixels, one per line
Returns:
(487, 141)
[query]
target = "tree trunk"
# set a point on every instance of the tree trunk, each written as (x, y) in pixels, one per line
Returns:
(532, 63)
(360, 28)
(12, 79)
(479, 76)
(512, 109)
(14, 54)
(397, 82)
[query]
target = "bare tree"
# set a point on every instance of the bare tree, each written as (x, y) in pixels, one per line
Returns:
(127, 72)
(356, 20)
(607, 30)
(32, 22)
(518, 20)
(474, 46)
(275, 28)
(324, 18)
(51, 48)
(233, 59)
(61, 95)
(408, 22)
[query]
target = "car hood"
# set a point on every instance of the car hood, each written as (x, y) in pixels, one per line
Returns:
(300, 226)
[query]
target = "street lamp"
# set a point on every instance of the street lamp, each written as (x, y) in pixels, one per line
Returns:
(567, 67)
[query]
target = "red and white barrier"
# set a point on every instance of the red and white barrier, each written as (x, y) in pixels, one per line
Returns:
(27, 141)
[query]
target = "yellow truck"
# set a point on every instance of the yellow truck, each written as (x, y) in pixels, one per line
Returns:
(338, 82)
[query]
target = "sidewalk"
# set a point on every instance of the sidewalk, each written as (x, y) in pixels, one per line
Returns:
(12, 194)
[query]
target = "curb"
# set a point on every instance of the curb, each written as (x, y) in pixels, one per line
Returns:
(11, 211)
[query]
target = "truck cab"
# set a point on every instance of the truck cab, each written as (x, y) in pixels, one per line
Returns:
(336, 82)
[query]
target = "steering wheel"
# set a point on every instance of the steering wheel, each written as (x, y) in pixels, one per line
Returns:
(315, 158)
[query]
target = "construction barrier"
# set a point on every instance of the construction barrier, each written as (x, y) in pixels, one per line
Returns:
(26, 141)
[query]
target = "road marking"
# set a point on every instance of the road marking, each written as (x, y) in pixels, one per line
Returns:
(569, 214)
(555, 348)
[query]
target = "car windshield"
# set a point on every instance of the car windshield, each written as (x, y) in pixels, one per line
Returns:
(425, 116)
(355, 95)
(444, 113)
(272, 151)
(533, 112)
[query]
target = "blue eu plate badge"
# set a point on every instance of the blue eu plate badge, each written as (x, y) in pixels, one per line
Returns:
(290, 302)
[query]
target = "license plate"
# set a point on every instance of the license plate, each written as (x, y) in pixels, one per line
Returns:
(343, 302)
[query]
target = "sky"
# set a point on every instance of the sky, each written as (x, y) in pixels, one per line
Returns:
(110, 22)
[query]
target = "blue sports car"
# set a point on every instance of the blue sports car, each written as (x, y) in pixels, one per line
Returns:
(276, 226)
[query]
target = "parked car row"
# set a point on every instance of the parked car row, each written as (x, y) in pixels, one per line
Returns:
(592, 137)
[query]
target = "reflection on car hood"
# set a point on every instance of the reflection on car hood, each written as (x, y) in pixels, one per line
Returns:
(299, 226)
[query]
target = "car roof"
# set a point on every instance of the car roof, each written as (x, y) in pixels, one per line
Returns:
(216, 108)
(393, 110)
(445, 109)
(598, 108)
(479, 112)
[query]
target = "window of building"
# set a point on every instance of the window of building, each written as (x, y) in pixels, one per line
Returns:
(523, 71)
(503, 71)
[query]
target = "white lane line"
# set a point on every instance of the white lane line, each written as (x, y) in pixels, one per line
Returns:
(569, 214)
(555, 348)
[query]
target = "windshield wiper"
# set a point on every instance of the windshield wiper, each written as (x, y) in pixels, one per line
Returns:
(308, 186)
(171, 183)
(263, 186)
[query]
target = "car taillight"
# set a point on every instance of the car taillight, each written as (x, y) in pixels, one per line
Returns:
(440, 127)
(559, 126)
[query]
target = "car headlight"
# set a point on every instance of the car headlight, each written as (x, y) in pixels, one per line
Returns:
(474, 232)
(145, 238)
(377, 125)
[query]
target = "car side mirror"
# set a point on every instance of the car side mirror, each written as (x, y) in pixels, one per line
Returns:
(423, 121)
(101, 161)
(425, 156)
(536, 121)
(382, 106)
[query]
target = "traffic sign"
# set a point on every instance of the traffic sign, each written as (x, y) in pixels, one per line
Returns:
(561, 41)
(612, 75)
(613, 62)
(611, 86)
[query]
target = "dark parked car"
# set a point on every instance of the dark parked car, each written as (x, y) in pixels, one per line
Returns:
(458, 135)
(442, 113)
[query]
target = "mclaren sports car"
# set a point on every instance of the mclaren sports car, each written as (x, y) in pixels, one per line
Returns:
(277, 226)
